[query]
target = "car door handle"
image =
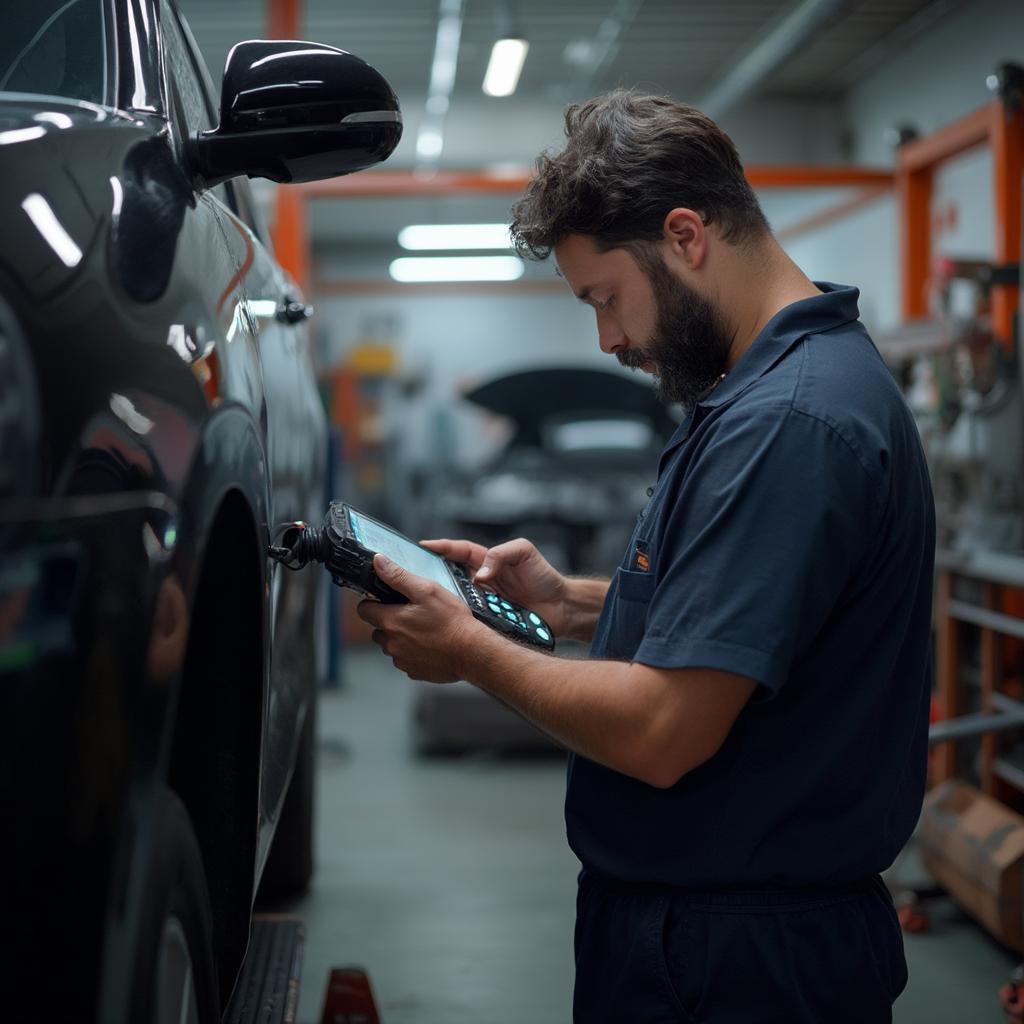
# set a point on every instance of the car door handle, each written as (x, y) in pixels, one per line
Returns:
(294, 312)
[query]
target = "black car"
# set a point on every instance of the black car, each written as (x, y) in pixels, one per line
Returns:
(158, 417)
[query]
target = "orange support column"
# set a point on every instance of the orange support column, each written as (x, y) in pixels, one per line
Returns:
(291, 234)
(283, 19)
(1007, 135)
(291, 229)
(914, 189)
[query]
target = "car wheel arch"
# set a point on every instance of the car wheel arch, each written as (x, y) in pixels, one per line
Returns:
(218, 722)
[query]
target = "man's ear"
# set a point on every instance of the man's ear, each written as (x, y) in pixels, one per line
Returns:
(686, 236)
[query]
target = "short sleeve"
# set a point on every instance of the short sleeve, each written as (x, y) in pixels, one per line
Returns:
(765, 532)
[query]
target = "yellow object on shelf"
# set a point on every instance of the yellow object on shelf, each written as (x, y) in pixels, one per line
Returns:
(373, 360)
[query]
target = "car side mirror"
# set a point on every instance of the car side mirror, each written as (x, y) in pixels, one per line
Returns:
(294, 111)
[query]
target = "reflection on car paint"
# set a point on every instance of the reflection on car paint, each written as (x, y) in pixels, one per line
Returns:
(118, 191)
(54, 233)
(123, 409)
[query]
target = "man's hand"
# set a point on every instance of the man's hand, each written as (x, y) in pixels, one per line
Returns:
(426, 637)
(516, 570)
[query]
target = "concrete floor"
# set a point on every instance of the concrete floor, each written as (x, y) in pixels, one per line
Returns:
(451, 883)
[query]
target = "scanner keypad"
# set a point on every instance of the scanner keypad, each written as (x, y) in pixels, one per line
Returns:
(523, 621)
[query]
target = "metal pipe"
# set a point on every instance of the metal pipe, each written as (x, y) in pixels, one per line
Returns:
(781, 42)
(980, 724)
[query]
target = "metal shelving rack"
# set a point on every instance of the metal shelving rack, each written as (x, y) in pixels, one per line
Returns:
(999, 712)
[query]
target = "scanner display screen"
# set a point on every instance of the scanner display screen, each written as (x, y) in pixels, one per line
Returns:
(402, 551)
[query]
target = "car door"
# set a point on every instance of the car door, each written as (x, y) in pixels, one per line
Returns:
(283, 400)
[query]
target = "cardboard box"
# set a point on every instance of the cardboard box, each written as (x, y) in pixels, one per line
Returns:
(974, 846)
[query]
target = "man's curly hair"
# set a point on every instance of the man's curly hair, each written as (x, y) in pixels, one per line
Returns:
(628, 160)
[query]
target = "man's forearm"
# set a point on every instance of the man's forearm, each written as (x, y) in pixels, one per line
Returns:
(588, 706)
(585, 598)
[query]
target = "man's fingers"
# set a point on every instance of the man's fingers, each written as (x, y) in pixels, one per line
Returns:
(512, 552)
(406, 583)
(465, 552)
(371, 612)
(380, 638)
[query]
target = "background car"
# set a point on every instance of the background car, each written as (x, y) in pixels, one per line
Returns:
(158, 415)
(572, 477)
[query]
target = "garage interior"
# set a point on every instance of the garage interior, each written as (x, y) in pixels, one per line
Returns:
(885, 155)
(466, 395)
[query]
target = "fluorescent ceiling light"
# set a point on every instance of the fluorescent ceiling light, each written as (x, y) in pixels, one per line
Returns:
(429, 144)
(455, 236)
(41, 214)
(456, 268)
(446, 55)
(504, 66)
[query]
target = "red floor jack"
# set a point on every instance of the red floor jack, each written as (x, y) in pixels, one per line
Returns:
(1011, 995)
(267, 991)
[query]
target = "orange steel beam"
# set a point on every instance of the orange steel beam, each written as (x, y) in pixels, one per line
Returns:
(1007, 127)
(386, 184)
(290, 233)
(914, 189)
(766, 176)
(1001, 127)
(914, 177)
(283, 19)
(958, 137)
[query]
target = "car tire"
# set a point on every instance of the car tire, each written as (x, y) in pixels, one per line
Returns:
(175, 979)
(290, 864)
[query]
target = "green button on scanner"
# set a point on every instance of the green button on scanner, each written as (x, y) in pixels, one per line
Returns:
(535, 618)
(543, 633)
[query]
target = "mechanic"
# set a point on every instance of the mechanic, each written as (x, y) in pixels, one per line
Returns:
(749, 734)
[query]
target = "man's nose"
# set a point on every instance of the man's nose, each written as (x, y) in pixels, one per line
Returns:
(609, 334)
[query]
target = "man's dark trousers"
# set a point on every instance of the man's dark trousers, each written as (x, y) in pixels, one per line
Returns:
(652, 955)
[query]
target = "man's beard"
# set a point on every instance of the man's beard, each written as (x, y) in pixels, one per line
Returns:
(690, 344)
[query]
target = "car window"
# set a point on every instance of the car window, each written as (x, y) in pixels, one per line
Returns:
(191, 106)
(190, 79)
(54, 47)
(183, 76)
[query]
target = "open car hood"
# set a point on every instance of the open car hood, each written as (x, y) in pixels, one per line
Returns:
(532, 397)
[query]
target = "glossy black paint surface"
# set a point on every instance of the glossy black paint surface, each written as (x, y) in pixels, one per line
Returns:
(295, 111)
(158, 414)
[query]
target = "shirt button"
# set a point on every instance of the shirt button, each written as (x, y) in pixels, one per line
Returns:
(650, 492)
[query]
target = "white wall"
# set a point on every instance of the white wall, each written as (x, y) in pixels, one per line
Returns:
(862, 250)
(454, 342)
(765, 131)
(937, 78)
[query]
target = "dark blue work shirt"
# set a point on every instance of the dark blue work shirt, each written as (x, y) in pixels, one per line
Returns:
(790, 539)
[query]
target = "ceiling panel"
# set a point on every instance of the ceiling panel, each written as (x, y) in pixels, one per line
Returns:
(672, 46)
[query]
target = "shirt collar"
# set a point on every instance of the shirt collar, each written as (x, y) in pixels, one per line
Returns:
(836, 305)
